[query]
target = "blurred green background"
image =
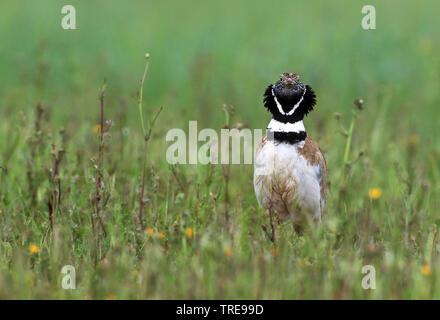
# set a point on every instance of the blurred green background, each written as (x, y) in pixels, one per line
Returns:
(205, 54)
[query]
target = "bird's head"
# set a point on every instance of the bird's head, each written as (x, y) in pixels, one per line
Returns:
(288, 99)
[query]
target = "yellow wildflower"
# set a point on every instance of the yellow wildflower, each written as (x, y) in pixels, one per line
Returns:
(97, 128)
(33, 249)
(189, 232)
(414, 139)
(275, 251)
(228, 252)
(375, 193)
(160, 235)
(304, 262)
(149, 231)
(426, 270)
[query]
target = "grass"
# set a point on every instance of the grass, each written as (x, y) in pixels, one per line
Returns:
(225, 54)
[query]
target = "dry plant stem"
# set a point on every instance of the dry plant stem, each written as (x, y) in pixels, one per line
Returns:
(226, 176)
(226, 167)
(100, 162)
(179, 182)
(35, 145)
(347, 152)
(147, 63)
(3, 173)
(142, 185)
(434, 245)
(144, 167)
(272, 235)
(92, 221)
(348, 144)
(51, 203)
(347, 164)
(55, 196)
(147, 136)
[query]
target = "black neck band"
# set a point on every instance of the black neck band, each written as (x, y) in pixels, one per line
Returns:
(289, 137)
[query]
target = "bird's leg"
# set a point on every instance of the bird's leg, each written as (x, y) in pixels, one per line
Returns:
(298, 228)
(272, 235)
(272, 226)
(298, 221)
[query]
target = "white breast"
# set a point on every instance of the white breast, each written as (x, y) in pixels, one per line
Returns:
(287, 170)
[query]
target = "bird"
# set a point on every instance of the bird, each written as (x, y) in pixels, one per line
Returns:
(290, 169)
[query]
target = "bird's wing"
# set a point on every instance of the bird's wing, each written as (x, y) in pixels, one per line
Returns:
(315, 157)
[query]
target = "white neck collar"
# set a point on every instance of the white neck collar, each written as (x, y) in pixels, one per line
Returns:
(277, 126)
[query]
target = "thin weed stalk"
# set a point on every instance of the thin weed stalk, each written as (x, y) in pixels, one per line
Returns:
(55, 195)
(147, 135)
(226, 167)
(348, 134)
(272, 235)
(36, 144)
(100, 170)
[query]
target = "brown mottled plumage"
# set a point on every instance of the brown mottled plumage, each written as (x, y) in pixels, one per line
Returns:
(313, 153)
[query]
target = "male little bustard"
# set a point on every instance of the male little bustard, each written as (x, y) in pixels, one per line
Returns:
(290, 169)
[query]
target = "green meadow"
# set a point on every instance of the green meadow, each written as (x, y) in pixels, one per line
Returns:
(71, 196)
